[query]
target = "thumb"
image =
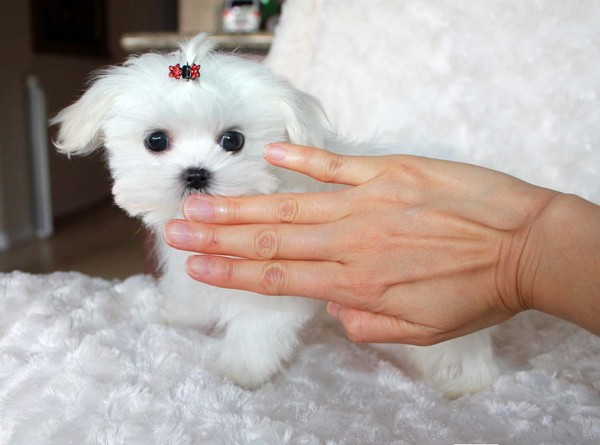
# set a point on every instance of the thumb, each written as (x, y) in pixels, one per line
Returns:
(368, 327)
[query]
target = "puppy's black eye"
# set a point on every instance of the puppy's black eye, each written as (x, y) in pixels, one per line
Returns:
(232, 141)
(157, 141)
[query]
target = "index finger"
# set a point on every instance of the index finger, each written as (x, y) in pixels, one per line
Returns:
(323, 165)
(306, 208)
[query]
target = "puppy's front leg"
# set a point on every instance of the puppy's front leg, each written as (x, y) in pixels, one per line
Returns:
(259, 338)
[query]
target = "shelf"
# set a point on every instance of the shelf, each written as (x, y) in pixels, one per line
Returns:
(145, 41)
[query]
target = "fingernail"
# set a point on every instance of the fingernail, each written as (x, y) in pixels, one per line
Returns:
(198, 209)
(198, 265)
(275, 152)
(177, 233)
(333, 309)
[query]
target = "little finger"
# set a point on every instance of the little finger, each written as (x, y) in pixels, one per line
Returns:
(313, 279)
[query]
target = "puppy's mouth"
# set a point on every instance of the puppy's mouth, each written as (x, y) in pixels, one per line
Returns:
(206, 191)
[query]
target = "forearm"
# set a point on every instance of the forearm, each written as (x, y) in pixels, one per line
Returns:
(560, 267)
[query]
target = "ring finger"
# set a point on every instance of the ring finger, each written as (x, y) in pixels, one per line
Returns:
(256, 241)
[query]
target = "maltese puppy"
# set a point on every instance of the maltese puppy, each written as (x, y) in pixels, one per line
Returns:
(196, 121)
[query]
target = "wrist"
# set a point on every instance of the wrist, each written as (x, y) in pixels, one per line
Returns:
(559, 267)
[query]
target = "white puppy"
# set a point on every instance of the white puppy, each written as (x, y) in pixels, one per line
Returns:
(196, 121)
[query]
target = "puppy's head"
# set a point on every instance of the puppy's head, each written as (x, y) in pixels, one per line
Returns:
(167, 138)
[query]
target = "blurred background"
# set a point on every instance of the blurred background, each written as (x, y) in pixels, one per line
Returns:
(56, 212)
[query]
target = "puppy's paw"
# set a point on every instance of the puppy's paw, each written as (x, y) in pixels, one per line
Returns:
(458, 378)
(243, 367)
(456, 367)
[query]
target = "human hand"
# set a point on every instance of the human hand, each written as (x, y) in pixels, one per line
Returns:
(416, 250)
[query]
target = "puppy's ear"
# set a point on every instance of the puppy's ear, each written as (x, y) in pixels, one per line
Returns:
(305, 120)
(81, 123)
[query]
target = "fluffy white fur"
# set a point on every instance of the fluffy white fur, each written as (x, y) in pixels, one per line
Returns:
(253, 335)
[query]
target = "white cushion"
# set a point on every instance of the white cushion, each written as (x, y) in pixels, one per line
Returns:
(513, 85)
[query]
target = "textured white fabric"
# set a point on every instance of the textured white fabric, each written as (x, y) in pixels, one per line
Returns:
(514, 85)
(509, 84)
(85, 361)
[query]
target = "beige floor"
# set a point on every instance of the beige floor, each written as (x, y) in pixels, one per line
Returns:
(101, 241)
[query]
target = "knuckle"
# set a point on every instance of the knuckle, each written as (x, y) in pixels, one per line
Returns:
(354, 328)
(273, 278)
(208, 239)
(266, 244)
(411, 172)
(227, 272)
(333, 166)
(363, 289)
(287, 210)
(353, 281)
(232, 210)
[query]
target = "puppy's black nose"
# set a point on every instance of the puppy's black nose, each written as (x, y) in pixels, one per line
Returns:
(196, 178)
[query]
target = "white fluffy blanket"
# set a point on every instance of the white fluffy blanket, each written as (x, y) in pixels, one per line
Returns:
(86, 361)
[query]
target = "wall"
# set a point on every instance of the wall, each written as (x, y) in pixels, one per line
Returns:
(15, 209)
(204, 15)
(76, 182)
